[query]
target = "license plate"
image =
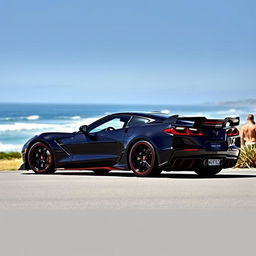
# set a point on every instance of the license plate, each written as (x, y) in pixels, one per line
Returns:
(214, 162)
(215, 146)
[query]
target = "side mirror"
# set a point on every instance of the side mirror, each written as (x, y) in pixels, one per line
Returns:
(83, 129)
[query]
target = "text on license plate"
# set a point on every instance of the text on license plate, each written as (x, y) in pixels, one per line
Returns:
(215, 146)
(214, 162)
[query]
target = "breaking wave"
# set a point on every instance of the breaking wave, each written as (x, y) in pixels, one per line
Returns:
(70, 127)
(21, 131)
(17, 118)
(165, 111)
(33, 117)
(76, 117)
(9, 147)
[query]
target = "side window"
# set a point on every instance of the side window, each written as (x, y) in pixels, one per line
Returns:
(113, 124)
(137, 121)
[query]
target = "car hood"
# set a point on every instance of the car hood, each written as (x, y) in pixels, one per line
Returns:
(56, 135)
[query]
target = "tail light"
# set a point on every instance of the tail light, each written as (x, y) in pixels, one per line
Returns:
(232, 132)
(184, 131)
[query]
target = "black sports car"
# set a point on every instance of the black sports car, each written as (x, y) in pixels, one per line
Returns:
(145, 143)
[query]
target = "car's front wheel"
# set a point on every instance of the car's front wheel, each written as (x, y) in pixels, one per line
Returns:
(208, 171)
(143, 160)
(40, 158)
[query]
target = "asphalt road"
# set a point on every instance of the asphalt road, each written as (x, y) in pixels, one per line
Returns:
(231, 189)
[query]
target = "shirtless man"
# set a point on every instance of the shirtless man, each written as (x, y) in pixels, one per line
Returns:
(248, 132)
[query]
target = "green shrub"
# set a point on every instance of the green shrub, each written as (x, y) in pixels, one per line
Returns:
(247, 157)
(10, 155)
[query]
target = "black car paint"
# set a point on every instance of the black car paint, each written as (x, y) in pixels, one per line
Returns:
(111, 148)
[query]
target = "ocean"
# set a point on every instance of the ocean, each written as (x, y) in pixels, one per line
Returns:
(19, 122)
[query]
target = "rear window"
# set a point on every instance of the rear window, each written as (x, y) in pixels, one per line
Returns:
(137, 121)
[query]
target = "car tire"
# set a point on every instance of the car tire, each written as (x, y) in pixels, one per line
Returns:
(143, 159)
(40, 158)
(208, 171)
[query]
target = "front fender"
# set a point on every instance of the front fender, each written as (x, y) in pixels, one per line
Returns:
(51, 144)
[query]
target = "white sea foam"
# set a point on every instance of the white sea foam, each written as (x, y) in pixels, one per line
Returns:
(31, 129)
(25, 127)
(33, 117)
(6, 118)
(9, 147)
(76, 117)
(165, 111)
(43, 127)
(75, 125)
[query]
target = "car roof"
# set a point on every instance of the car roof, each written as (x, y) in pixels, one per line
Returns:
(156, 116)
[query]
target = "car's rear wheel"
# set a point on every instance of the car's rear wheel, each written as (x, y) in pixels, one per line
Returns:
(143, 160)
(101, 171)
(40, 158)
(208, 171)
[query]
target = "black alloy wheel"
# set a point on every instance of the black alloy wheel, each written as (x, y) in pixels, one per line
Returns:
(40, 158)
(143, 160)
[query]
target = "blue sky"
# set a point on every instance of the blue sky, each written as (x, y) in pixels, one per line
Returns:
(139, 52)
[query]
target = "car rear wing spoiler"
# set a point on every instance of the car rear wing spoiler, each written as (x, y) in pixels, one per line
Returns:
(228, 122)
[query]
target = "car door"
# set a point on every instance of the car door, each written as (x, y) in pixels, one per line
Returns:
(103, 143)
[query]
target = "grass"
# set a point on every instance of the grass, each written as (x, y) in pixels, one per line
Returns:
(10, 164)
(247, 157)
(10, 155)
(10, 161)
